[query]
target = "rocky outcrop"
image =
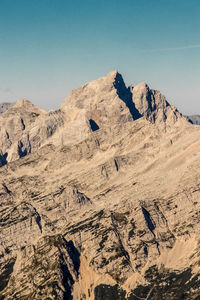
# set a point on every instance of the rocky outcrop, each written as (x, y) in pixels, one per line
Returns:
(154, 107)
(24, 127)
(100, 210)
(105, 101)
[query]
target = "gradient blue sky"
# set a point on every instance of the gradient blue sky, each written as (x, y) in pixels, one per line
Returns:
(48, 47)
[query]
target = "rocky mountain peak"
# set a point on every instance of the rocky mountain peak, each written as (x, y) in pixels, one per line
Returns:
(97, 201)
(154, 107)
(115, 78)
(141, 96)
(141, 87)
(23, 102)
(101, 103)
(111, 76)
(103, 100)
(108, 97)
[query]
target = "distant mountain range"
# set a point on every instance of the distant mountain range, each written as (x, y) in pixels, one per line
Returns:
(4, 106)
(195, 119)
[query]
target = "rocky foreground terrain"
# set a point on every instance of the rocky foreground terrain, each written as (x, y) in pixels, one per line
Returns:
(100, 199)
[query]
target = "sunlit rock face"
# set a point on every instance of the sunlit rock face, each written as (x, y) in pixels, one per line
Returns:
(100, 199)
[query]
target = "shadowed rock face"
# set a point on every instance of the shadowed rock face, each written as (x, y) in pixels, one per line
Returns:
(103, 102)
(100, 199)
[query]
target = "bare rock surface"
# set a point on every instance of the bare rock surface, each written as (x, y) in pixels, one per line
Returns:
(154, 106)
(104, 204)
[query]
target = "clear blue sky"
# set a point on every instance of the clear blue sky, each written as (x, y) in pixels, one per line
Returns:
(48, 47)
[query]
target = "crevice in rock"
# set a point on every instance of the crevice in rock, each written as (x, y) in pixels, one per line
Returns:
(125, 95)
(3, 159)
(7, 135)
(38, 221)
(21, 152)
(74, 254)
(6, 189)
(151, 225)
(29, 143)
(23, 125)
(149, 221)
(67, 279)
(116, 165)
(146, 250)
(93, 125)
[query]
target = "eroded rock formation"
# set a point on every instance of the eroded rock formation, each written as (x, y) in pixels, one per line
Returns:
(100, 199)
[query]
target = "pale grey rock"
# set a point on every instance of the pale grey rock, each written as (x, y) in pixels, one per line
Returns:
(24, 128)
(154, 106)
(105, 100)
(107, 212)
(14, 137)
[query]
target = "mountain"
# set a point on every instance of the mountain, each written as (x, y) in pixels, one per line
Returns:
(4, 106)
(195, 119)
(100, 199)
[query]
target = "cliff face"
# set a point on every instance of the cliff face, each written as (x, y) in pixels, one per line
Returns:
(104, 203)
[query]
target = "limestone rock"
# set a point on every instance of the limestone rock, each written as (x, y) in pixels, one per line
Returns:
(24, 128)
(105, 101)
(154, 106)
(14, 138)
(104, 210)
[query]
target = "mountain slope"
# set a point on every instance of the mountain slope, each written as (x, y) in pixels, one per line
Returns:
(105, 101)
(112, 213)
